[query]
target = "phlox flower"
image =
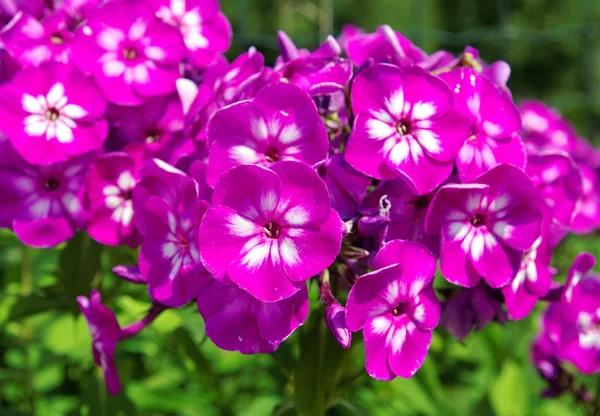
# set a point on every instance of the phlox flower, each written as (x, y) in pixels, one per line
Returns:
(486, 226)
(52, 113)
(270, 230)
(280, 123)
(403, 126)
(397, 309)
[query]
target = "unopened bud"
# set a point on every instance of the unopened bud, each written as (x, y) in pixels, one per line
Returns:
(335, 318)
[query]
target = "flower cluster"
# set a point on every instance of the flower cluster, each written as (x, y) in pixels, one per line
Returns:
(360, 163)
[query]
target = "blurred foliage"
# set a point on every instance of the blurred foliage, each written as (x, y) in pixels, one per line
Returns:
(46, 367)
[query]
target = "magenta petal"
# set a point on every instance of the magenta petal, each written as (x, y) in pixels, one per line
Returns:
(426, 309)
(278, 320)
(252, 191)
(374, 86)
(367, 297)
(414, 258)
(409, 347)
(44, 232)
(497, 263)
(519, 302)
(456, 265)
(376, 334)
(306, 252)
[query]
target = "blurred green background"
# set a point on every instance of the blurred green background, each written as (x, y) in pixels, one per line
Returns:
(46, 366)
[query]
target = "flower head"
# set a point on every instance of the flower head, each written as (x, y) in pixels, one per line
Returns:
(110, 186)
(486, 226)
(43, 205)
(206, 31)
(280, 123)
(403, 126)
(397, 309)
(131, 54)
(494, 124)
(269, 230)
(52, 113)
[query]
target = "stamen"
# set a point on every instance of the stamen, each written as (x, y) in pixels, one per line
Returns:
(272, 230)
(51, 184)
(52, 114)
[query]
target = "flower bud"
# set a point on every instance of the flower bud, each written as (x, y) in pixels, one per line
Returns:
(335, 318)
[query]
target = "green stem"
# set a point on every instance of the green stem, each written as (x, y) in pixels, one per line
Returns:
(27, 331)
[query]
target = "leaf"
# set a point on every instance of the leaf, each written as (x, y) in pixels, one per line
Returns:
(509, 392)
(79, 263)
(317, 367)
(32, 304)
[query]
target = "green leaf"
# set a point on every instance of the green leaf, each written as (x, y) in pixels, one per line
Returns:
(509, 394)
(32, 304)
(317, 368)
(79, 263)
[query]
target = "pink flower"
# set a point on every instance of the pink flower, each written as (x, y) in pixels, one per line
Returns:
(32, 42)
(43, 205)
(52, 113)
(587, 214)
(280, 123)
(534, 277)
(545, 129)
(157, 125)
(269, 230)
(110, 185)
(205, 30)
(236, 321)
(168, 213)
(385, 45)
(485, 226)
(402, 126)
(131, 54)
(397, 309)
(558, 178)
(495, 122)
(318, 73)
(580, 335)
(105, 331)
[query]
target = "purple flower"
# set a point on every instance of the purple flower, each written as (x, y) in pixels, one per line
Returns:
(168, 213)
(110, 185)
(545, 129)
(318, 73)
(533, 279)
(205, 30)
(558, 178)
(346, 185)
(131, 54)
(406, 209)
(32, 42)
(472, 307)
(335, 318)
(485, 226)
(580, 336)
(587, 214)
(280, 123)
(157, 124)
(269, 230)
(236, 321)
(385, 45)
(494, 124)
(397, 309)
(222, 85)
(43, 205)
(52, 113)
(105, 331)
(402, 126)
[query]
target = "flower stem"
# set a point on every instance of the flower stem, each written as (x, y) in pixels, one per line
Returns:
(138, 326)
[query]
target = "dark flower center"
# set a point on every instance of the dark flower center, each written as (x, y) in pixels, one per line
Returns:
(57, 39)
(153, 137)
(51, 184)
(398, 310)
(272, 230)
(272, 155)
(127, 195)
(403, 127)
(129, 53)
(421, 202)
(52, 114)
(477, 220)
